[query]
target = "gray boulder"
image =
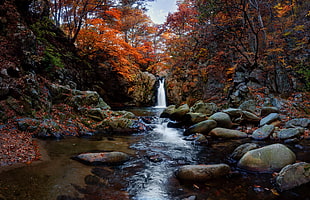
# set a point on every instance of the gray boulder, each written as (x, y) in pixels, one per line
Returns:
(203, 127)
(293, 175)
(202, 172)
(290, 133)
(103, 158)
(249, 117)
(300, 122)
(223, 119)
(205, 108)
(269, 119)
(233, 112)
(227, 133)
(242, 149)
(269, 158)
(263, 132)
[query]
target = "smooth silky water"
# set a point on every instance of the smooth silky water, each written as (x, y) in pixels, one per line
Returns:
(148, 175)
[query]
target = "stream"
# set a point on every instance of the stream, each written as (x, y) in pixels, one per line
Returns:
(148, 175)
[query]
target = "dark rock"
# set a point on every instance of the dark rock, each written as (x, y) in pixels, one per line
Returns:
(267, 110)
(180, 112)
(197, 138)
(290, 133)
(269, 158)
(91, 180)
(203, 127)
(168, 111)
(242, 149)
(293, 175)
(227, 133)
(202, 172)
(263, 132)
(194, 118)
(249, 117)
(223, 120)
(269, 119)
(233, 112)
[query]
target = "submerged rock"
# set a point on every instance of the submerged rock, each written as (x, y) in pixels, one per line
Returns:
(223, 119)
(103, 158)
(269, 158)
(202, 172)
(227, 133)
(293, 175)
(203, 127)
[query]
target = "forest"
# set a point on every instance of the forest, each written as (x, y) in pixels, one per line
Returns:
(71, 67)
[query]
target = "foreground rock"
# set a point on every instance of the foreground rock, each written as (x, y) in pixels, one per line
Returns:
(203, 127)
(290, 133)
(293, 175)
(227, 133)
(202, 172)
(103, 158)
(263, 132)
(269, 158)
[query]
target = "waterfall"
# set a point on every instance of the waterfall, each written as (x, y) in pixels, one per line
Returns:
(161, 94)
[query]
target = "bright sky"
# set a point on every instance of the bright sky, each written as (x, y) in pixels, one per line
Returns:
(159, 9)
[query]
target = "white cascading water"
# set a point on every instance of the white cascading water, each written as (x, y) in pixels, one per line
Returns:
(161, 95)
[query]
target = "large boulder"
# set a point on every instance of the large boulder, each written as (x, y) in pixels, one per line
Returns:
(227, 133)
(167, 111)
(293, 175)
(203, 127)
(223, 119)
(202, 172)
(205, 108)
(269, 158)
(103, 158)
(263, 132)
(180, 112)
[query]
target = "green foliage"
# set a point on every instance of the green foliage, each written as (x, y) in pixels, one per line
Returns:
(52, 59)
(304, 71)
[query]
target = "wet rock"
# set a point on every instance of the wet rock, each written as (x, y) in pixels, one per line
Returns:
(293, 175)
(291, 141)
(202, 172)
(263, 132)
(205, 108)
(180, 112)
(269, 158)
(227, 133)
(168, 111)
(103, 158)
(190, 198)
(290, 133)
(203, 127)
(267, 110)
(269, 119)
(242, 149)
(249, 105)
(223, 119)
(300, 122)
(197, 138)
(194, 118)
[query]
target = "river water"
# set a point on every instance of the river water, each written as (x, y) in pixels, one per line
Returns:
(148, 175)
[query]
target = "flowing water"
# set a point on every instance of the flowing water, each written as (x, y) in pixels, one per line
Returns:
(148, 175)
(161, 94)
